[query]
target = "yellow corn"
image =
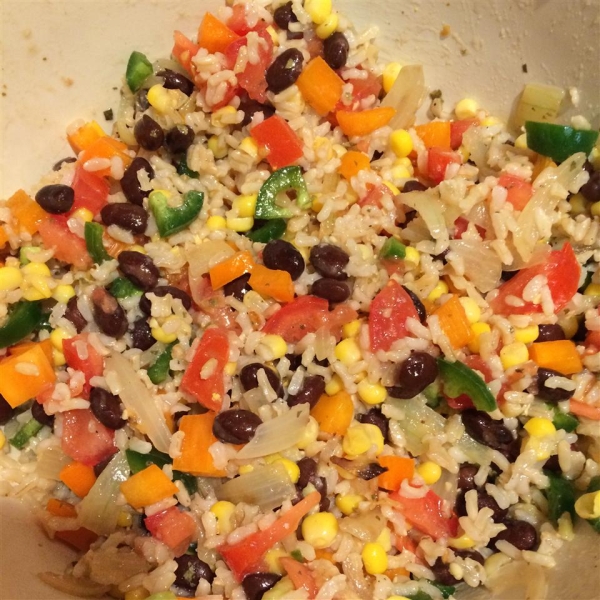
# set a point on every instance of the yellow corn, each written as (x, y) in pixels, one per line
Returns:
(348, 503)
(138, 248)
(271, 31)
(276, 344)
(124, 519)
(478, 329)
(162, 99)
(374, 558)
(159, 333)
(272, 559)
(430, 472)
(333, 386)
(388, 184)
(578, 204)
(390, 74)
(63, 293)
(216, 223)
(527, 334)
(240, 224)
(32, 268)
(57, 336)
(348, 352)
(309, 434)
(223, 116)
(438, 291)
(513, 355)
(217, 146)
(320, 529)
(490, 121)
(291, 468)
(224, 511)
(412, 255)
(466, 109)
(2, 440)
(592, 290)
(463, 542)
(328, 26)
(472, 310)
(588, 505)
(521, 142)
(385, 539)
(401, 143)
(83, 214)
(539, 427)
(245, 205)
(371, 393)
(249, 146)
(245, 469)
(58, 358)
(10, 278)
(318, 10)
(351, 329)
(361, 437)
(400, 172)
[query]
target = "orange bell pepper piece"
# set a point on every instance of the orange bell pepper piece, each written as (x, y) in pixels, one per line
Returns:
(214, 35)
(364, 122)
(46, 346)
(26, 212)
(106, 147)
(399, 468)
(148, 487)
(85, 136)
(320, 86)
(80, 539)
(230, 269)
(436, 133)
(334, 413)
(454, 323)
(560, 355)
(79, 478)
(352, 162)
(273, 283)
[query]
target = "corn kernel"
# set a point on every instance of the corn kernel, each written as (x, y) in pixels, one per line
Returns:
(159, 334)
(58, 358)
(438, 291)
(371, 393)
(521, 142)
(320, 529)
(318, 10)
(249, 146)
(83, 214)
(162, 99)
(405, 162)
(333, 386)
(291, 468)
(124, 519)
(490, 121)
(461, 543)
(539, 427)
(395, 191)
(401, 143)
(464, 153)
(10, 278)
(390, 74)
(348, 503)
(351, 329)
(348, 352)
(385, 539)
(216, 223)
(40, 269)
(478, 329)
(595, 158)
(245, 205)
(361, 437)
(466, 109)
(224, 511)
(328, 27)
(217, 146)
(276, 344)
(412, 255)
(400, 172)
(230, 368)
(63, 293)
(592, 290)
(374, 558)
(57, 336)
(317, 202)
(223, 116)
(272, 559)
(2, 440)
(139, 593)
(245, 469)
(430, 472)
(472, 310)
(240, 224)
(309, 434)
(588, 505)
(527, 334)
(138, 248)
(513, 355)
(271, 31)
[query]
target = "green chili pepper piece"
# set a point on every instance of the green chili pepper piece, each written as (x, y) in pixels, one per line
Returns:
(459, 379)
(558, 141)
(93, 233)
(183, 169)
(594, 486)
(24, 318)
(282, 180)
(170, 220)
(564, 421)
(420, 595)
(447, 590)
(272, 230)
(297, 555)
(393, 248)
(159, 371)
(139, 68)
(25, 433)
(561, 497)
(121, 287)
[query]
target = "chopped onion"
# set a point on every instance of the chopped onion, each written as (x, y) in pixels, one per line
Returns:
(99, 510)
(80, 588)
(277, 434)
(483, 267)
(266, 486)
(538, 102)
(474, 451)
(366, 526)
(139, 402)
(406, 95)
(538, 256)
(431, 209)
(50, 463)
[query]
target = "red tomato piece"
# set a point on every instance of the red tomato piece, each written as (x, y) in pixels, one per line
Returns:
(208, 388)
(293, 321)
(91, 190)
(238, 22)
(461, 402)
(173, 527)
(519, 192)
(84, 438)
(281, 141)
(562, 271)
(68, 247)
(387, 317)
(374, 195)
(458, 129)
(184, 50)
(475, 362)
(438, 160)
(301, 575)
(428, 515)
(92, 365)
(593, 339)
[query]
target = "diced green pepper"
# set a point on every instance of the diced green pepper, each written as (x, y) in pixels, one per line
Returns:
(282, 180)
(558, 141)
(139, 68)
(121, 287)
(561, 497)
(93, 233)
(25, 433)
(393, 248)
(170, 220)
(459, 379)
(24, 318)
(594, 486)
(25, 251)
(447, 590)
(159, 371)
(433, 394)
(564, 421)
(272, 230)
(183, 169)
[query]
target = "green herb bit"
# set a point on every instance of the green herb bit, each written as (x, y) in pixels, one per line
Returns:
(159, 371)
(25, 433)
(183, 169)
(561, 497)
(121, 287)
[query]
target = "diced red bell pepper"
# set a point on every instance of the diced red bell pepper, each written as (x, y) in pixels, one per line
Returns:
(461, 225)
(458, 129)
(519, 191)
(84, 438)
(239, 23)
(92, 363)
(183, 51)
(91, 190)
(67, 246)
(172, 527)
(438, 160)
(283, 145)
(301, 575)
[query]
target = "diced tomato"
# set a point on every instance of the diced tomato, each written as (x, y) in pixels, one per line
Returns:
(301, 575)
(239, 23)
(183, 51)
(457, 130)
(428, 515)
(230, 92)
(374, 195)
(81, 539)
(461, 402)
(393, 266)
(387, 318)
(173, 527)
(593, 339)
(363, 88)
(461, 225)
(84, 438)
(68, 247)
(91, 190)
(281, 141)
(519, 192)
(475, 362)
(562, 271)
(91, 366)
(208, 388)
(438, 160)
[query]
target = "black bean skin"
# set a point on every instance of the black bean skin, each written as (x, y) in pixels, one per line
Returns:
(312, 389)
(320, 484)
(40, 415)
(466, 477)
(63, 161)
(308, 471)
(331, 289)
(472, 554)
(484, 500)
(149, 134)
(284, 70)
(375, 417)
(6, 411)
(250, 106)
(108, 313)
(412, 185)
(441, 573)
(335, 50)
(176, 81)
(371, 471)
(235, 426)
(56, 199)
(550, 333)
(549, 394)
(414, 375)
(107, 408)
(249, 378)
(161, 291)
(329, 261)
(591, 190)
(418, 304)
(99, 467)
(141, 100)
(284, 15)
(190, 570)
(139, 269)
(256, 584)
(73, 314)
(238, 288)
(481, 427)
(179, 139)
(520, 534)
(282, 256)
(130, 183)
(130, 217)
(141, 335)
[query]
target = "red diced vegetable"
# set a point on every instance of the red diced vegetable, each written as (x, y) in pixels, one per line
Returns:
(84, 438)
(183, 51)
(91, 190)
(82, 356)
(519, 192)
(214, 35)
(458, 129)
(438, 160)
(68, 247)
(283, 145)
(172, 527)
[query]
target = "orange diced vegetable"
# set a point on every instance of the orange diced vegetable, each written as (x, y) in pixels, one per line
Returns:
(231, 268)
(320, 86)
(334, 413)
(541, 163)
(301, 575)
(321, 554)
(24, 376)
(46, 346)
(273, 283)
(454, 323)
(364, 122)
(352, 162)
(80, 539)
(581, 409)
(106, 147)
(3, 238)
(195, 457)
(85, 136)
(79, 478)
(435, 134)
(148, 487)
(396, 572)
(214, 35)
(399, 468)
(58, 508)
(26, 212)
(560, 355)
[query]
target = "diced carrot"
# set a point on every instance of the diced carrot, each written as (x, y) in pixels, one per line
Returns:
(273, 283)
(81, 539)
(148, 487)
(334, 413)
(454, 323)
(106, 147)
(364, 122)
(58, 508)
(45, 345)
(320, 86)
(26, 212)
(195, 457)
(435, 134)
(399, 468)
(230, 269)
(301, 575)
(214, 35)
(85, 136)
(79, 478)
(352, 162)
(3, 238)
(560, 355)
(581, 409)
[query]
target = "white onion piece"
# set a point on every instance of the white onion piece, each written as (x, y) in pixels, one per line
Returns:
(201, 258)
(406, 95)
(483, 266)
(473, 451)
(539, 256)
(99, 510)
(50, 463)
(123, 381)
(277, 434)
(431, 209)
(80, 588)
(266, 487)
(366, 526)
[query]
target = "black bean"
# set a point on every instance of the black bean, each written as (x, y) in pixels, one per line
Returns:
(591, 190)
(161, 291)
(553, 464)
(466, 476)
(480, 426)
(256, 584)
(176, 81)
(249, 377)
(412, 185)
(179, 139)
(73, 314)
(141, 100)
(520, 534)
(40, 415)
(312, 389)
(418, 304)
(550, 333)
(141, 335)
(375, 417)
(250, 106)
(56, 199)
(335, 50)
(329, 261)
(131, 217)
(441, 573)
(331, 289)
(320, 484)
(282, 256)
(148, 133)
(284, 70)
(414, 375)
(235, 426)
(130, 183)
(6, 411)
(545, 392)
(472, 554)
(308, 471)
(295, 361)
(139, 269)
(63, 161)
(107, 408)
(108, 313)
(484, 500)
(99, 467)
(190, 570)
(284, 15)
(238, 288)
(371, 471)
